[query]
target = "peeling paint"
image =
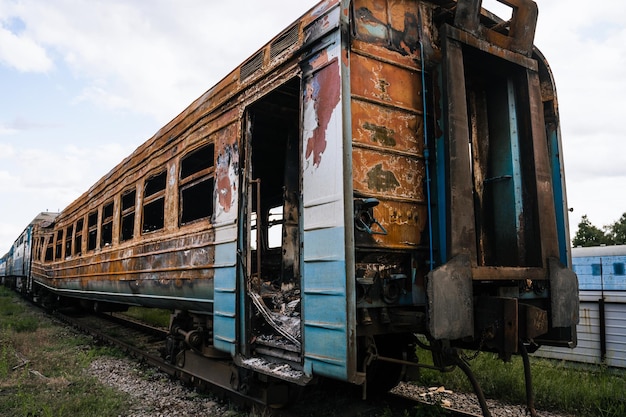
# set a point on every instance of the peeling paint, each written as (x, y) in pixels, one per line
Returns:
(319, 106)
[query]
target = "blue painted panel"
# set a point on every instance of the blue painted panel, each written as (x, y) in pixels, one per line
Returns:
(600, 272)
(325, 303)
(225, 294)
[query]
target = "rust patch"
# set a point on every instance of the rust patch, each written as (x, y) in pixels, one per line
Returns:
(382, 180)
(381, 134)
(324, 92)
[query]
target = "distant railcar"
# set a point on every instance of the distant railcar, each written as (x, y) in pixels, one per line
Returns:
(15, 266)
(380, 169)
(601, 332)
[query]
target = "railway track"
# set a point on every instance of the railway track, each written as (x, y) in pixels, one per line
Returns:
(144, 343)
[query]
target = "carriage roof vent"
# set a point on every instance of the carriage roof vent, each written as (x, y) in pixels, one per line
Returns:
(286, 39)
(252, 65)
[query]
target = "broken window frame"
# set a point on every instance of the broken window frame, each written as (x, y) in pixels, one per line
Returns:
(58, 252)
(92, 230)
(106, 231)
(127, 214)
(78, 237)
(196, 177)
(69, 234)
(41, 245)
(153, 207)
(49, 256)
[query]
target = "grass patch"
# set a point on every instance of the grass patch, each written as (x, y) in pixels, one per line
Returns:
(152, 316)
(581, 390)
(42, 368)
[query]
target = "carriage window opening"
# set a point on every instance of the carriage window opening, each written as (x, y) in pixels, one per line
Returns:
(155, 184)
(196, 201)
(197, 184)
(107, 225)
(127, 230)
(50, 250)
(92, 225)
(78, 239)
(153, 216)
(154, 203)
(41, 248)
(275, 227)
(59, 245)
(197, 161)
(596, 269)
(618, 268)
(253, 226)
(68, 241)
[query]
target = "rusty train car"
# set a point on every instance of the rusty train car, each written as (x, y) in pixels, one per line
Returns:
(380, 169)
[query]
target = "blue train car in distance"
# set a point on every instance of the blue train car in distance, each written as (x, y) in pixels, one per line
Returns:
(601, 332)
(600, 267)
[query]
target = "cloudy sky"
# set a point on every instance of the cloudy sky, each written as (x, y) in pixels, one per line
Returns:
(84, 82)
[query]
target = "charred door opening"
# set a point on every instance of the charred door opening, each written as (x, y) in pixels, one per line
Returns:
(273, 232)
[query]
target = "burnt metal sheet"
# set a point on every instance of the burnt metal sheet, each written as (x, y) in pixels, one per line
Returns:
(385, 83)
(521, 27)
(384, 174)
(387, 127)
(462, 237)
(564, 292)
(450, 300)
(393, 25)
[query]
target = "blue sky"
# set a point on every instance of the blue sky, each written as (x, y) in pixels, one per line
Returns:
(84, 82)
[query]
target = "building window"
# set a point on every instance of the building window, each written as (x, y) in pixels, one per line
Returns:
(197, 184)
(92, 227)
(127, 231)
(618, 268)
(154, 203)
(107, 225)
(78, 238)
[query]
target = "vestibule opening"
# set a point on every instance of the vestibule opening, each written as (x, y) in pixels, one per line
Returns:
(273, 232)
(500, 160)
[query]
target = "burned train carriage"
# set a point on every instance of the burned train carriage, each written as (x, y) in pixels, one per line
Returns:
(380, 169)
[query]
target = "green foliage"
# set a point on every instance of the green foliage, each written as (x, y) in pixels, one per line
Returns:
(590, 235)
(42, 368)
(153, 316)
(616, 232)
(592, 391)
(11, 314)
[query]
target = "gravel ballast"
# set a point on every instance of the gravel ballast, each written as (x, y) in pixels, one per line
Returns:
(154, 394)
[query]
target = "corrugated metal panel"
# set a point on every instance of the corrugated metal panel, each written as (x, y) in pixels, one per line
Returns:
(588, 349)
(225, 291)
(324, 303)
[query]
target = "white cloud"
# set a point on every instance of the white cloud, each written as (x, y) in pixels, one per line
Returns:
(154, 59)
(23, 53)
(6, 151)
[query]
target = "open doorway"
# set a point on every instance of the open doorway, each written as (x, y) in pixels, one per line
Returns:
(273, 223)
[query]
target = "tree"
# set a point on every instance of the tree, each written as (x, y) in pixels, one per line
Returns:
(589, 235)
(616, 232)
